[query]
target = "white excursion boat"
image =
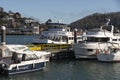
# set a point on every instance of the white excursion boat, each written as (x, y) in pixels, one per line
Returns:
(57, 33)
(111, 55)
(16, 59)
(96, 40)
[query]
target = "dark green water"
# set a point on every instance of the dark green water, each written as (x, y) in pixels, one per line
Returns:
(73, 70)
(67, 69)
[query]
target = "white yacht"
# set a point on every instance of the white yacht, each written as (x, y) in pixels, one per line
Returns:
(57, 33)
(96, 40)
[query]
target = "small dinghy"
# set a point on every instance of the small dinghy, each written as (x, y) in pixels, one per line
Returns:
(110, 55)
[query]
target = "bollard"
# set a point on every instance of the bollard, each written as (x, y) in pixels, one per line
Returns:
(3, 35)
(75, 36)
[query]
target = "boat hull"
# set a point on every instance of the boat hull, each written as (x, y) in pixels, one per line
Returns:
(22, 69)
(88, 50)
(111, 57)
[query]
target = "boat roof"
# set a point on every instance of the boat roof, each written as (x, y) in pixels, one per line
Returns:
(16, 47)
(98, 33)
(23, 49)
(40, 53)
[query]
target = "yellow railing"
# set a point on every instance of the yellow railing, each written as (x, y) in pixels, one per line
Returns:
(36, 48)
(49, 46)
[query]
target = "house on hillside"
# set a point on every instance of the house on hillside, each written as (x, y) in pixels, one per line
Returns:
(1, 9)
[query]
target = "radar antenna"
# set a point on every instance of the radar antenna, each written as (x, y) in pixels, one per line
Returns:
(108, 21)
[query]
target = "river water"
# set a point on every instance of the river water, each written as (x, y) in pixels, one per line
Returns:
(66, 69)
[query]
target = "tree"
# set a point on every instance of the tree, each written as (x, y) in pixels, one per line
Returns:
(48, 21)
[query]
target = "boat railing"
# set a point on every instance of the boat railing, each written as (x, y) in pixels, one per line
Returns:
(116, 34)
(49, 46)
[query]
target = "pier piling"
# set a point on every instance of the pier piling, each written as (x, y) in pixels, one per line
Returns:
(3, 35)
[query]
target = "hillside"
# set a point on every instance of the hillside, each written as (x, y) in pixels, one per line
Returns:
(96, 20)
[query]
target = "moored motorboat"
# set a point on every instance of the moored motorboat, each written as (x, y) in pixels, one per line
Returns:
(16, 59)
(111, 55)
(96, 40)
(19, 59)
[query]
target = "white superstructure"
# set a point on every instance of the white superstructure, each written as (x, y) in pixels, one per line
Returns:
(57, 33)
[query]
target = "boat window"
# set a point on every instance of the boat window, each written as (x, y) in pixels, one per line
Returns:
(23, 57)
(30, 57)
(79, 37)
(7, 53)
(93, 39)
(90, 49)
(68, 30)
(70, 38)
(16, 57)
(114, 39)
(107, 27)
(20, 56)
(119, 39)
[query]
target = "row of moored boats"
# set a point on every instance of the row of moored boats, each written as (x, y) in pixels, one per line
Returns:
(16, 59)
(102, 43)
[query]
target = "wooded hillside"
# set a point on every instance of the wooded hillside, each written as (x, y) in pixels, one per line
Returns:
(96, 20)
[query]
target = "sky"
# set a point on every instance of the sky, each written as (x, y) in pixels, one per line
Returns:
(65, 11)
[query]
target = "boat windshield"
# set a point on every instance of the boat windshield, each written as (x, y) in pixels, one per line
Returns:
(93, 39)
(19, 48)
(108, 27)
(31, 57)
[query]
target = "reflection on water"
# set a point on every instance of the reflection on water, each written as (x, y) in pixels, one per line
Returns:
(73, 70)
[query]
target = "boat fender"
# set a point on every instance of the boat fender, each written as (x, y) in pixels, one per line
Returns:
(2, 68)
(106, 51)
(33, 65)
(115, 50)
(97, 51)
(17, 67)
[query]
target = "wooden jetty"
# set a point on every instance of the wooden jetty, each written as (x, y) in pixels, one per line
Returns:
(58, 51)
(62, 54)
